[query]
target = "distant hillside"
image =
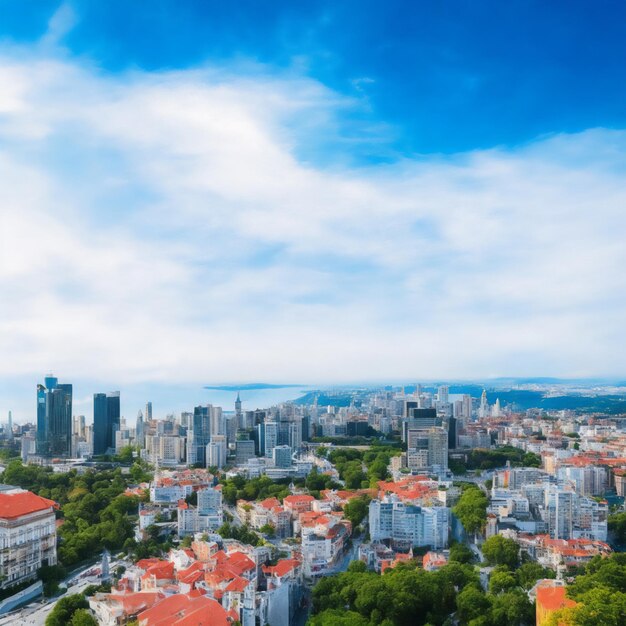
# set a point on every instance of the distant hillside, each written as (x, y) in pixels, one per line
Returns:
(248, 387)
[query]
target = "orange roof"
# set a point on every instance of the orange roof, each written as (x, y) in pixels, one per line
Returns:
(298, 499)
(283, 567)
(237, 584)
(21, 503)
(133, 603)
(192, 574)
(269, 503)
(553, 598)
(164, 570)
(185, 610)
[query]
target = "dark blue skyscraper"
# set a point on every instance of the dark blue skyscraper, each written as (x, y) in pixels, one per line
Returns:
(106, 420)
(54, 418)
(199, 435)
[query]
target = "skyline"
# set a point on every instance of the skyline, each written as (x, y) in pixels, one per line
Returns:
(278, 197)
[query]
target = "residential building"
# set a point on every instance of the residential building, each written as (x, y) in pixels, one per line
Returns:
(27, 535)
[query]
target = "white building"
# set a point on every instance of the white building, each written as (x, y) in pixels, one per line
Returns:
(216, 451)
(407, 524)
(27, 535)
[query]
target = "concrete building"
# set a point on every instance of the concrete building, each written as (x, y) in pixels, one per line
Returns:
(27, 535)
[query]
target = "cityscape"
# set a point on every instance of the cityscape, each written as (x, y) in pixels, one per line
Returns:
(241, 515)
(312, 313)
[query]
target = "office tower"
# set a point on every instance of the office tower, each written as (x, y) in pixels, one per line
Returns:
(271, 438)
(216, 451)
(106, 421)
(231, 428)
(452, 432)
(199, 435)
(483, 411)
(495, 412)
(419, 419)
(281, 456)
(185, 419)
(306, 428)
(442, 394)
(218, 423)
(295, 434)
(467, 406)
(438, 448)
(238, 413)
(139, 430)
(54, 418)
(244, 450)
(148, 415)
(10, 427)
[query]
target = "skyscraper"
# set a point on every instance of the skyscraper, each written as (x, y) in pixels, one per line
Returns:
(199, 435)
(106, 420)
(139, 431)
(148, 415)
(238, 413)
(54, 418)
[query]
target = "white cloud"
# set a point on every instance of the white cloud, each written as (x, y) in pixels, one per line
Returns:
(162, 226)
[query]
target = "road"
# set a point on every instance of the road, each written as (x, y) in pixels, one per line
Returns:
(35, 613)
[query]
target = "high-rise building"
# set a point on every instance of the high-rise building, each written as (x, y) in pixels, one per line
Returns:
(216, 451)
(148, 415)
(271, 438)
(54, 418)
(10, 427)
(442, 394)
(438, 448)
(106, 421)
(139, 430)
(244, 450)
(199, 435)
(281, 456)
(238, 413)
(483, 411)
(407, 525)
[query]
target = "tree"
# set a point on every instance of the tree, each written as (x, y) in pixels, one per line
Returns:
(461, 553)
(471, 509)
(65, 608)
(499, 550)
(529, 573)
(471, 603)
(356, 509)
(617, 526)
(268, 529)
(83, 617)
(511, 609)
(501, 580)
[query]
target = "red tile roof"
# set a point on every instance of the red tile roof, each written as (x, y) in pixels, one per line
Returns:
(282, 568)
(185, 610)
(133, 603)
(13, 505)
(553, 598)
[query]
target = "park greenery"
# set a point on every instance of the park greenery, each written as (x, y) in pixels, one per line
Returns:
(361, 469)
(471, 509)
(71, 611)
(409, 596)
(95, 512)
(240, 533)
(240, 488)
(484, 459)
(356, 509)
(617, 528)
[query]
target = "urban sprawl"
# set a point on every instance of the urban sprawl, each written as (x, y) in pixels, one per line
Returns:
(390, 505)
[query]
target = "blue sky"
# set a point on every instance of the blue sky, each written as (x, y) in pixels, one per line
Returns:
(310, 192)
